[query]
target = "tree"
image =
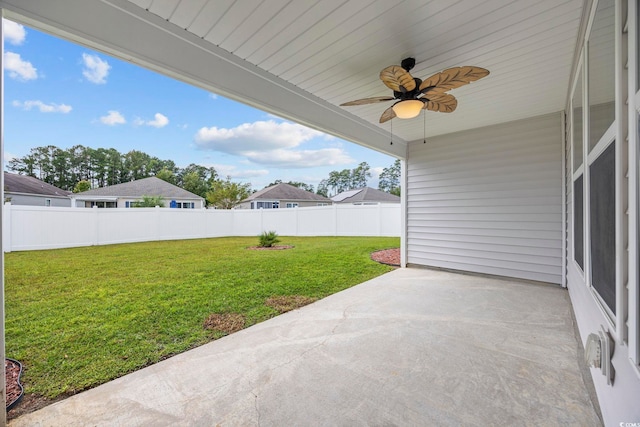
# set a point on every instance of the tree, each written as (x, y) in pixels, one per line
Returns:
(390, 179)
(166, 175)
(301, 185)
(148, 202)
(323, 188)
(82, 186)
(346, 179)
(226, 194)
(359, 176)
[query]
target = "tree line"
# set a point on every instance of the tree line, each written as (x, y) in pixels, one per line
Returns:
(81, 168)
(351, 179)
(101, 167)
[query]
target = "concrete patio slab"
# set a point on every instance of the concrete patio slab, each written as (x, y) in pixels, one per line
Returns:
(412, 347)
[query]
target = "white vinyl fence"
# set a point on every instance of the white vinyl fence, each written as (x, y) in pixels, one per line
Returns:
(37, 227)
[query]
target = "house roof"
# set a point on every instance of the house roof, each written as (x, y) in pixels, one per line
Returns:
(286, 192)
(142, 187)
(366, 194)
(301, 59)
(14, 183)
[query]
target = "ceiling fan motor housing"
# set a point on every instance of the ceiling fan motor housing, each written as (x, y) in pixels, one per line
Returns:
(409, 94)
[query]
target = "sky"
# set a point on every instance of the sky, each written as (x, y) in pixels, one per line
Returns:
(62, 94)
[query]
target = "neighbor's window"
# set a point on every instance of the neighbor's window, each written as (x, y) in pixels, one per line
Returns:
(601, 71)
(47, 202)
(267, 205)
(292, 205)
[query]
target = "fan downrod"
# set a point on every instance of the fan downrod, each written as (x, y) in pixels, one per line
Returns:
(408, 63)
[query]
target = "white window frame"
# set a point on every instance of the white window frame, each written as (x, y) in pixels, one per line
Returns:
(291, 205)
(267, 204)
(580, 170)
(633, 57)
(47, 202)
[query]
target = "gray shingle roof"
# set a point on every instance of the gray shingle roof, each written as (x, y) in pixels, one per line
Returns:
(364, 195)
(14, 183)
(142, 187)
(286, 192)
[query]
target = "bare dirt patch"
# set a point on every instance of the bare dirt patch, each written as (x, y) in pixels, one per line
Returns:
(271, 248)
(227, 322)
(284, 303)
(388, 256)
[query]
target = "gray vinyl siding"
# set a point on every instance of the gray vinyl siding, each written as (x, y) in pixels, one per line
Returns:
(489, 200)
(37, 200)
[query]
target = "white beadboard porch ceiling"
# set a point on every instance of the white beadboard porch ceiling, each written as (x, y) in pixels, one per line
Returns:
(331, 51)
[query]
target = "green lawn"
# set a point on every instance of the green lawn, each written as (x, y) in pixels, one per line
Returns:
(80, 317)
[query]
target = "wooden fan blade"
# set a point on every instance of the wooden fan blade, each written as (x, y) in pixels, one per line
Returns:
(397, 79)
(441, 102)
(452, 78)
(387, 115)
(365, 101)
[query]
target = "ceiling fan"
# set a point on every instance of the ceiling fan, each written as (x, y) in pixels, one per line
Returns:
(413, 94)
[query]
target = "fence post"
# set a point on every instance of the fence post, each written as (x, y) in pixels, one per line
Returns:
(6, 228)
(96, 218)
(379, 219)
(335, 219)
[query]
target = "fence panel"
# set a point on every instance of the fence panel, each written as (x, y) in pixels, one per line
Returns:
(39, 227)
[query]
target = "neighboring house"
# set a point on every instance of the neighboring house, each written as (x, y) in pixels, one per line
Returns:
(29, 191)
(125, 195)
(535, 176)
(365, 196)
(283, 196)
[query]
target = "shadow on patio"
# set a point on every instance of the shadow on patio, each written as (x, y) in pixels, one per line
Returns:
(412, 347)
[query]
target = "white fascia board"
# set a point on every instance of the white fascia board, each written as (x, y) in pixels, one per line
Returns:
(96, 198)
(124, 30)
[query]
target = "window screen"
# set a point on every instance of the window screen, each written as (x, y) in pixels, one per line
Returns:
(603, 226)
(578, 221)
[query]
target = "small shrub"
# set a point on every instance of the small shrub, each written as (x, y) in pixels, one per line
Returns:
(268, 239)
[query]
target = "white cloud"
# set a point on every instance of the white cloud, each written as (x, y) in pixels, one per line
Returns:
(44, 108)
(375, 172)
(270, 143)
(213, 95)
(96, 70)
(18, 68)
(233, 172)
(113, 118)
(159, 121)
(14, 33)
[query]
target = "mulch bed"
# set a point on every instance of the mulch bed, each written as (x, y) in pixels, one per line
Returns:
(12, 371)
(388, 256)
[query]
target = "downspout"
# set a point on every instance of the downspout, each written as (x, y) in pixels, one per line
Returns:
(3, 385)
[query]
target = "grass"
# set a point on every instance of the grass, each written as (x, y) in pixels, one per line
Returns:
(77, 318)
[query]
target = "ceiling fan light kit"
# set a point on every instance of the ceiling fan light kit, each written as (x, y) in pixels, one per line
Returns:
(408, 109)
(414, 94)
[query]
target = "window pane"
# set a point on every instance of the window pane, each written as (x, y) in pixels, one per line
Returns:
(576, 124)
(603, 226)
(601, 72)
(578, 221)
